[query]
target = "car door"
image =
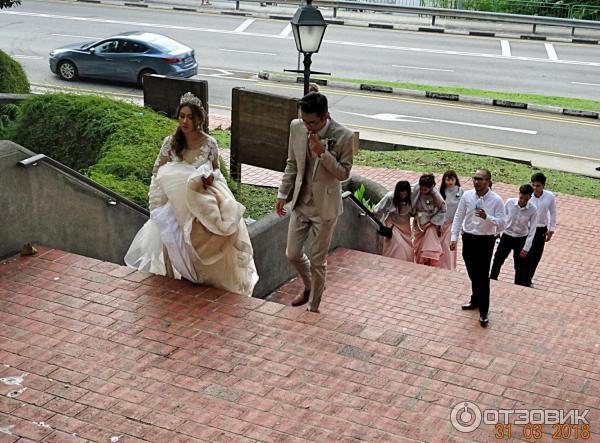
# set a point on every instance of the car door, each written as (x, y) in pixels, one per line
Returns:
(101, 63)
(130, 58)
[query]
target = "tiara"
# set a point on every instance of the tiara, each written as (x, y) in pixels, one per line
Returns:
(191, 99)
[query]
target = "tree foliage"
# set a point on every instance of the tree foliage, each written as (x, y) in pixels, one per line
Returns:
(13, 79)
(112, 142)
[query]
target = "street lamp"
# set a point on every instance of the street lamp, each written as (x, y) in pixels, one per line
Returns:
(309, 27)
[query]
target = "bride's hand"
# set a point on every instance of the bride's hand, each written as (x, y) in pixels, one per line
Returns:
(208, 181)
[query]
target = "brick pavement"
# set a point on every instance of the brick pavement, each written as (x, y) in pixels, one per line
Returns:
(104, 352)
(92, 351)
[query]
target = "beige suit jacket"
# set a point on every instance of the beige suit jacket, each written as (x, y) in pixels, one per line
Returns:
(331, 168)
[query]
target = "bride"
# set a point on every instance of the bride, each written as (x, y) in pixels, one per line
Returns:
(196, 228)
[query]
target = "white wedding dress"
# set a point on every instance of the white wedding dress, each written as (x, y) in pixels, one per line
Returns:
(202, 229)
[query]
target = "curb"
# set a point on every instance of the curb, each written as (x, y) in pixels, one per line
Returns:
(435, 95)
(357, 23)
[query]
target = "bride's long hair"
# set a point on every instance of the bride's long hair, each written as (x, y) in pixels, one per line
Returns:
(198, 116)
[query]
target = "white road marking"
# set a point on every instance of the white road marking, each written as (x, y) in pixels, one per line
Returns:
(245, 25)
(505, 44)
(77, 36)
(221, 69)
(224, 73)
(248, 52)
(286, 31)
(551, 51)
(286, 36)
(408, 118)
(586, 84)
(225, 77)
(28, 57)
(423, 69)
(460, 53)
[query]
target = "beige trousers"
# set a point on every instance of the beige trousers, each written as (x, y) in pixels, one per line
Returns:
(312, 269)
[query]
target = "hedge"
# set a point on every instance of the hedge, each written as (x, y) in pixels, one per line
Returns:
(12, 76)
(113, 142)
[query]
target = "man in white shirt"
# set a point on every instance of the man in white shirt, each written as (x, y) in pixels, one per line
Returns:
(521, 224)
(480, 215)
(546, 221)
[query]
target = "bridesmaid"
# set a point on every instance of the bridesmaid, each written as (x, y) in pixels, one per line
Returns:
(394, 210)
(429, 214)
(452, 193)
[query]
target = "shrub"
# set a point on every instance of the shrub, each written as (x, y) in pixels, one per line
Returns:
(114, 143)
(8, 115)
(12, 76)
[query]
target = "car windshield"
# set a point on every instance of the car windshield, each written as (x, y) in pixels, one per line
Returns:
(86, 45)
(165, 44)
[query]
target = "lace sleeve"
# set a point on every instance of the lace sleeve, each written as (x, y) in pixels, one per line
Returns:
(164, 155)
(213, 154)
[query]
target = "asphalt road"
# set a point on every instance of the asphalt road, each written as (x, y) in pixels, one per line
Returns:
(230, 50)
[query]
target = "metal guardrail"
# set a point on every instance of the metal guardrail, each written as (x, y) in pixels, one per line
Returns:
(435, 12)
(114, 198)
(382, 230)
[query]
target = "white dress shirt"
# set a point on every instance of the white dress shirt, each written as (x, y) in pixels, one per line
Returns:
(521, 221)
(494, 209)
(546, 205)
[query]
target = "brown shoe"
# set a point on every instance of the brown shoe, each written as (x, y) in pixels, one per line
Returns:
(301, 298)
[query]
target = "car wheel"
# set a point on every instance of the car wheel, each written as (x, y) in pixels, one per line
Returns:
(67, 71)
(140, 80)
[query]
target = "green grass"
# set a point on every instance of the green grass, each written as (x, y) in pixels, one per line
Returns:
(258, 200)
(503, 171)
(561, 102)
(223, 138)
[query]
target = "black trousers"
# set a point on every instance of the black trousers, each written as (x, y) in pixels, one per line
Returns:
(477, 253)
(536, 252)
(514, 244)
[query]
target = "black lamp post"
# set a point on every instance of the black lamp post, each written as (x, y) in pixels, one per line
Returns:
(309, 27)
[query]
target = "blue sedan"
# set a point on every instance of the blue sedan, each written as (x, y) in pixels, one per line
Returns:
(125, 57)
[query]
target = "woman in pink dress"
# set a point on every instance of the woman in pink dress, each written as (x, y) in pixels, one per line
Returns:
(429, 211)
(394, 210)
(451, 192)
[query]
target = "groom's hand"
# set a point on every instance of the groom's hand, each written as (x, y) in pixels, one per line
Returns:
(315, 143)
(279, 207)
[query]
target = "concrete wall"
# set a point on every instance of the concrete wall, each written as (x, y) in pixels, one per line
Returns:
(43, 205)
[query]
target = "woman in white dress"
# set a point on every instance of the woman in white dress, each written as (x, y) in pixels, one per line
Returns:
(196, 228)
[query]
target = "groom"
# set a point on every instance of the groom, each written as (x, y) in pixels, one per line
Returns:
(319, 158)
